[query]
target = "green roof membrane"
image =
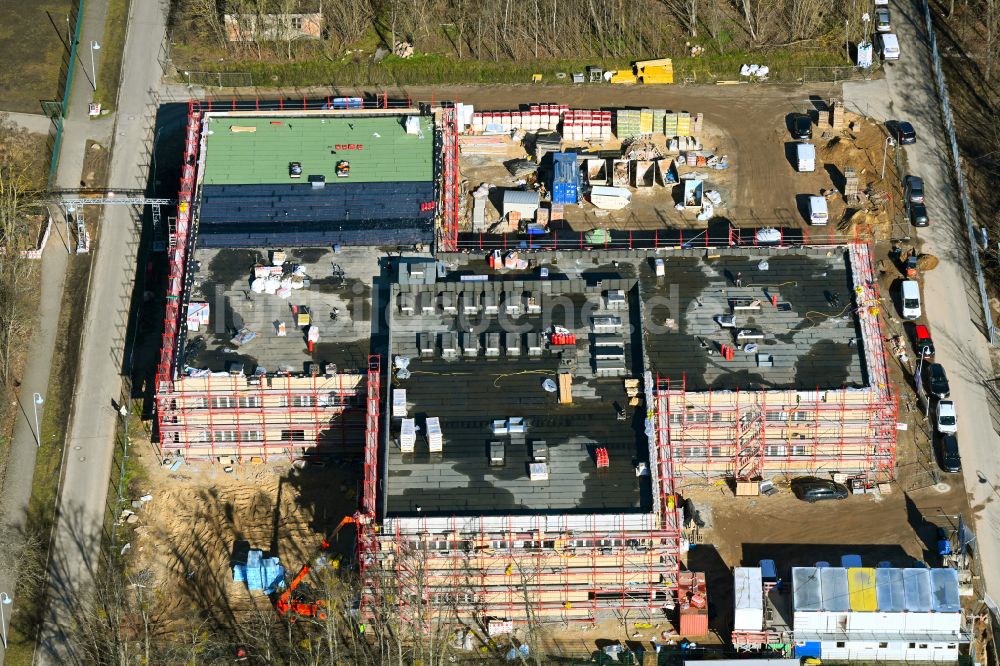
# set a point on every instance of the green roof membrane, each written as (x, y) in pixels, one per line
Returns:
(383, 152)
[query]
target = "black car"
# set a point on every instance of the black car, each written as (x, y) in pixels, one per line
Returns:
(813, 489)
(905, 133)
(802, 126)
(950, 460)
(937, 380)
(918, 215)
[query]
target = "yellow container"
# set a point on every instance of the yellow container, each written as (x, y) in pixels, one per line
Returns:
(662, 62)
(623, 76)
(861, 589)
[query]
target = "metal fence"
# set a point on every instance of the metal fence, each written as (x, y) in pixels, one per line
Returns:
(949, 125)
(58, 112)
(218, 79)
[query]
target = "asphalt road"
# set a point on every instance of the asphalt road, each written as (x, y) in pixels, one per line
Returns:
(951, 298)
(90, 441)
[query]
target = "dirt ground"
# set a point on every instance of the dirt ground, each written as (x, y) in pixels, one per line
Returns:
(33, 50)
(201, 520)
(748, 124)
(897, 527)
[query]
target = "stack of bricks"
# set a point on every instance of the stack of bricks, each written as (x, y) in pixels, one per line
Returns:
(836, 115)
(587, 125)
(697, 124)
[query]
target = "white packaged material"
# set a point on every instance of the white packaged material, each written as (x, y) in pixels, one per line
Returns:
(748, 598)
(435, 440)
(398, 403)
(538, 471)
(408, 435)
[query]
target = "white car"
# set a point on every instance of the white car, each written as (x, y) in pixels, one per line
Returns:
(947, 421)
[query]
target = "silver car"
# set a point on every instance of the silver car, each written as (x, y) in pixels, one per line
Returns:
(882, 20)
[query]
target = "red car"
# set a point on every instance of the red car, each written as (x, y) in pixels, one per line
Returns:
(922, 342)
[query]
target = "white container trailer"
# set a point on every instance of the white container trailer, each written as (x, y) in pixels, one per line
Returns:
(748, 590)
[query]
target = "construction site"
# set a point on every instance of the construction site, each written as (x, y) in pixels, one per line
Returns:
(520, 379)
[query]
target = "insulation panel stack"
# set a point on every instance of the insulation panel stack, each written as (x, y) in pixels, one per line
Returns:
(435, 441)
(683, 124)
(627, 123)
(836, 115)
(670, 124)
(408, 435)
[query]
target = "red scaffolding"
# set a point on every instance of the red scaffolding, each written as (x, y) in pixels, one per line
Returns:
(746, 434)
(551, 568)
(178, 248)
(448, 229)
(367, 544)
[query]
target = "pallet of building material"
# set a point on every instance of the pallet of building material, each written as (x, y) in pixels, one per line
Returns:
(670, 124)
(683, 124)
(697, 124)
(242, 129)
(435, 440)
(566, 388)
(408, 435)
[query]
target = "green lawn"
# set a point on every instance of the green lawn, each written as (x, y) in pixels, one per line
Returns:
(109, 64)
(33, 52)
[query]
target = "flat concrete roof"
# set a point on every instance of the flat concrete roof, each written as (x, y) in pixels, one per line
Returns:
(811, 336)
(468, 393)
(386, 154)
(222, 278)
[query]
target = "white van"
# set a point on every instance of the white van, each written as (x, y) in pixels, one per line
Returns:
(910, 295)
(805, 157)
(819, 214)
(890, 46)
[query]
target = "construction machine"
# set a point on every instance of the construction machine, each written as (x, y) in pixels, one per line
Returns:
(298, 600)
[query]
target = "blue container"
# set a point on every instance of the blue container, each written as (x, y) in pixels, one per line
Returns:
(809, 649)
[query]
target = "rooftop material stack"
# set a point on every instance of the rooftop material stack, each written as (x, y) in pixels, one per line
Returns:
(692, 604)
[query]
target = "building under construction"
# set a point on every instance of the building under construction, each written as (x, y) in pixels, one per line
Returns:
(265, 350)
(525, 424)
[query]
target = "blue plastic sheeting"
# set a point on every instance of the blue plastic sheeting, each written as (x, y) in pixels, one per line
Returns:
(889, 590)
(848, 561)
(260, 573)
(768, 570)
(807, 589)
(808, 649)
(917, 587)
(836, 596)
(944, 591)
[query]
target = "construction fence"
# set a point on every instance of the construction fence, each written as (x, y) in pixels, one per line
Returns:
(963, 190)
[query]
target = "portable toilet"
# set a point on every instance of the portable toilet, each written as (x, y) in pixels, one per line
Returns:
(565, 178)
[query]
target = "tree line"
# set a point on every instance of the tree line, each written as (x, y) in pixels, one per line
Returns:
(504, 30)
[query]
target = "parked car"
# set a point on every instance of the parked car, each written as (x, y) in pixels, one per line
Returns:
(951, 461)
(802, 126)
(936, 380)
(914, 189)
(945, 417)
(905, 133)
(813, 489)
(922, 342)
(910, 299)
(882, 19)
(918, 215)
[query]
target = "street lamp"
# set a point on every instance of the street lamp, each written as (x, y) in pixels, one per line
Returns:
(5, 600)
(885, 149)
(94, 46)
(38, 402)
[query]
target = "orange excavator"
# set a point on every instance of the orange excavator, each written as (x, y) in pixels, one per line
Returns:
(298, 600)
